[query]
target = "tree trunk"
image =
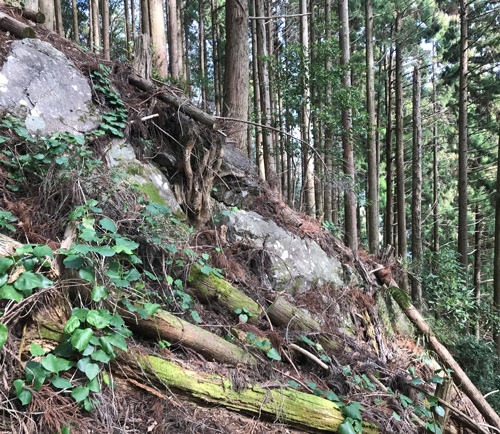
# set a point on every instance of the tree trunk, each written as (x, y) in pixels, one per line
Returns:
(215, 54)
(202, 51)
(18, 29)
(265, 98)
(389, 216)
(105, 28)
(463, 229)
(236, 78)
(142, 62)
(157, 22)
(145, 22)
(435, 172)
(48, 9)
(76, 32)
(416, 199)
(96, 25)
(400, 151)
(496, 257)
(259, 155)
(477, 262)
(127, 28)
(329, 144)
(133, 29)
(59, 28)
(372, 180)
(351, 234)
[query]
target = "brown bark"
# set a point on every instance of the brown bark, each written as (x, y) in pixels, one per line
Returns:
(105, 29)
(58, 14)
(478, 262)
(96, 25)
(145, 21)
(389, 216)
(496, 256)
(463, 229)
(459, 376)
(35, 16)
(202, 51)
(127, 28)
(47, 8)
(76, 32)
(416, 198)
(236, 78)
(174, 49)
(18, 29)
(351, 233)
(400, 152)
(142, 62)
(157, 22)
(372, 175)
(435, 172)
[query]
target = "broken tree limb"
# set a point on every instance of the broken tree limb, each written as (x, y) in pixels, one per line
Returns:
(212, 288)
(283, 313)
(182, 104)
(165, 326)
(459, 376)
(18, 29)
(278, 404)
(35, 16)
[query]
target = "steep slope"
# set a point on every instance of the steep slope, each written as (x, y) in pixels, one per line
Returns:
(160, 286)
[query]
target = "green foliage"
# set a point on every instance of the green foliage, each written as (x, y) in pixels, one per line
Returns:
(243, 314)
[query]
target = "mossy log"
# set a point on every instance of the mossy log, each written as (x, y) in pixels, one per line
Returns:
(283, 313)
(275, 403)
(212, 288)
(459, 376)
(18, 29)
(165, 326)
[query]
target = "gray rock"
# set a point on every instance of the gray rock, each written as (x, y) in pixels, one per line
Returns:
(296, 264)
(148, 178)
(38, 83)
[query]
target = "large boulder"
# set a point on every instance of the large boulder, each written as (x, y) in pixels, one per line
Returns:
(297, 264)
(39, 84)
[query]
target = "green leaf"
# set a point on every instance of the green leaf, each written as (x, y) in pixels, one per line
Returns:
(132, 275)
(56, 364)
(396, 416)
(206, 269)
(416, 381)
(73, 261)
(100, 356)
(65, 430)
(91, 371)
(81, 338)
(61, 160)
(5, 264)
(353, 411)
(80, 313)
(87, 273)
(71, 325)
(331, 396)
(27, 281)
(80, 393)
(106, 251)
(41, 251)
(196, 317)
(36, 350)
(94, 385)
(82, 363)
(439, 410)
(23, 394)
(126, 243)
(4, 334)
(273, 354)
(108, 225)
(96, 319)
(60, 383)
(99, 292)
(346, 428)
(151, 308)
(8, 292)
(89, 235)
(437, 379)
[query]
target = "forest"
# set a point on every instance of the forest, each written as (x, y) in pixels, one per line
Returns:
(375, 125)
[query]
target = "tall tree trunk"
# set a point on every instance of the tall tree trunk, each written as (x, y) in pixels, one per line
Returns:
(58, 14)
(215, 51)
(463, 137)
(133, 30)
(496, 257)
(259, 155)
(416, 199)
(186, 62)
(272, 93)
(76, 32)
(105, 28)
(157, 22)
(372, 181)
(145, 22)
(477, 262)
(180, 44)
(127, 28)
(328, 146)
(435, 172)
(202, 50)
(265, 98)
(174, 49)
(96, 25)
(91, 27)
(236, 84)
(400, 152)
(351, 233)
(47, 8)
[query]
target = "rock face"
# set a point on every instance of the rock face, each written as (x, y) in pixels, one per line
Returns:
(296, 264)
(148, 178)
(38, 83)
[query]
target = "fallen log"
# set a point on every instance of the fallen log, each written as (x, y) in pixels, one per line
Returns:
(173, 329)
(459, 376)
(274, 402)
(35, 16)
(18, 29)
(182, 104)
(283, 313)
(212, 288)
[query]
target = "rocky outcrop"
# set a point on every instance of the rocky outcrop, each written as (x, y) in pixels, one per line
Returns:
(39, 84)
